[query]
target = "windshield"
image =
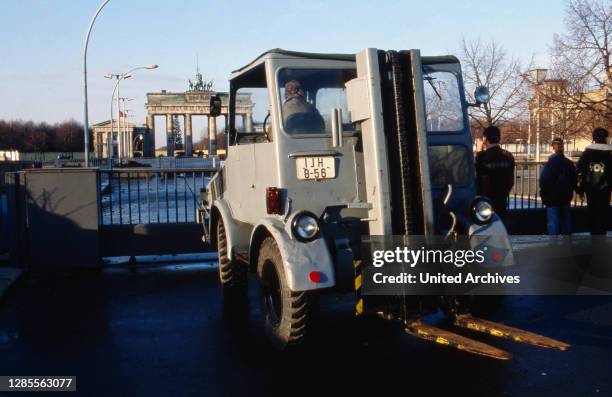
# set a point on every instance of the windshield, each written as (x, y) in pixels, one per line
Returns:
(308, 97)
(442, 100)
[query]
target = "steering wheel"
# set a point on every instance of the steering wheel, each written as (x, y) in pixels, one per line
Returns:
(264, 127)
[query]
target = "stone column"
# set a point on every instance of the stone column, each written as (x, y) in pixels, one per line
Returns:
(130, 137)
(96, 144)
(248, 122)
(169, 142)
(111, 146)
(102, 151)
(149, 143)
(105, 135)
(188, 136)
(108, 143)
(212, 136)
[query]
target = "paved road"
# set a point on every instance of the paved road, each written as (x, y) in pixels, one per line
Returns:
(162, 331)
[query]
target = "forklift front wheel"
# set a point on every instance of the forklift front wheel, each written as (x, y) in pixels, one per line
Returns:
(288, 315)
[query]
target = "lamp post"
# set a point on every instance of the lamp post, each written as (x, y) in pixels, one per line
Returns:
(127, 140)
(85, 104)
(119, 77)
(111, 149)
(538, 76)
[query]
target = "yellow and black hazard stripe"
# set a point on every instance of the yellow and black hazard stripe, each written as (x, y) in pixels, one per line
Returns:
(357, 267)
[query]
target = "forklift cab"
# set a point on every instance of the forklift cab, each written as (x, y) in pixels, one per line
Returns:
(282, 139)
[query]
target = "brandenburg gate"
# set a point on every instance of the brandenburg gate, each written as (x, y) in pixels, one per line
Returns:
(195, 102)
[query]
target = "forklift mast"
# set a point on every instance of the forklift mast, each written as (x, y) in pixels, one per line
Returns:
(387, 97)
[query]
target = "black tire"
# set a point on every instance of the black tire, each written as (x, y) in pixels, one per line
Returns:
(289, 316)
(232, 274)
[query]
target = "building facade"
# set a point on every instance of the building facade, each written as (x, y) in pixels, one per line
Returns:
(128, 140)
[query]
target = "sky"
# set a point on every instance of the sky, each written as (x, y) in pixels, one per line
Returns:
(41, 42)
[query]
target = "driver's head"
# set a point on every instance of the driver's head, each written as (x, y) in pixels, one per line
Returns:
(293, 89)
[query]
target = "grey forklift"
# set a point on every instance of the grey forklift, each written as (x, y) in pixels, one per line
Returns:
(326, 149)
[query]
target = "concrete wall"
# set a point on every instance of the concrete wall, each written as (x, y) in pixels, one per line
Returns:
(63, 216)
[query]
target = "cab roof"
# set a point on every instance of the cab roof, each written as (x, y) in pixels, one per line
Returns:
(338, 57)
(296, 54)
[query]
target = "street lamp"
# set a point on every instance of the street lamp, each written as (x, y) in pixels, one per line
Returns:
(127, 140)
(85, 105)
(111, 149)
(119, 77)
(538, 77)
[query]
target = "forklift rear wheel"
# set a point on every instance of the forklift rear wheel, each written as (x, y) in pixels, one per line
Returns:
(232, 274)
(288, 315)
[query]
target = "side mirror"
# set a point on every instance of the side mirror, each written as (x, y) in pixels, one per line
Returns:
(215, 105)
(481, 94)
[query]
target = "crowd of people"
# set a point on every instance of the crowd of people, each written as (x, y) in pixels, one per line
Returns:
(560, 178)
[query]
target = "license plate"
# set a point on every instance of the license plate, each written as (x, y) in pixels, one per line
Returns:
(315, 168)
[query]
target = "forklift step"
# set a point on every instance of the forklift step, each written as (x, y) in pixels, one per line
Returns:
(443, 337)
(503, 331)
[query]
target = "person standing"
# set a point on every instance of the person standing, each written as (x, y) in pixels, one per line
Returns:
(595, 180)
(494, 171)
(557, 184)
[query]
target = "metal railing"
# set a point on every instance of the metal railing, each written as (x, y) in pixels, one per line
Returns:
(151, 195)
(154, 162)
(170, 195)
(525, 193)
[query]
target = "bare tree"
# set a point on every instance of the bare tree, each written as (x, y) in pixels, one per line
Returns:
(488, 64)
(28, 136)
(581, 57)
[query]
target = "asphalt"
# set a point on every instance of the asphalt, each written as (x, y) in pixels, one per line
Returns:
(162, 330)
(8, 276)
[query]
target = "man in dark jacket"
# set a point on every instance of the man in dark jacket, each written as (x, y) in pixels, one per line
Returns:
(595, 180)
(495, 171)
(557, 184)
(300, 116)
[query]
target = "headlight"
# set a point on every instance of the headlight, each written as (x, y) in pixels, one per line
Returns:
(482, 210)
(305, 226)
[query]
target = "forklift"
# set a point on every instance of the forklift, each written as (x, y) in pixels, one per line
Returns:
(330, 149)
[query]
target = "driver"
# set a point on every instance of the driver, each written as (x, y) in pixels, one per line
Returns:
(298, 114)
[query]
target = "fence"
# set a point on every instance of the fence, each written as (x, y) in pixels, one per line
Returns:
(170, 195)
(153, 162)
(49, 157)
(525, 193)
(151, 195)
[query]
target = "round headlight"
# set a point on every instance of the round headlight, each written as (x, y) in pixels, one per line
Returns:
(482, 210)
(305, 226)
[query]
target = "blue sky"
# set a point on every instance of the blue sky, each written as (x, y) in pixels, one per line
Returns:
(41, 41)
